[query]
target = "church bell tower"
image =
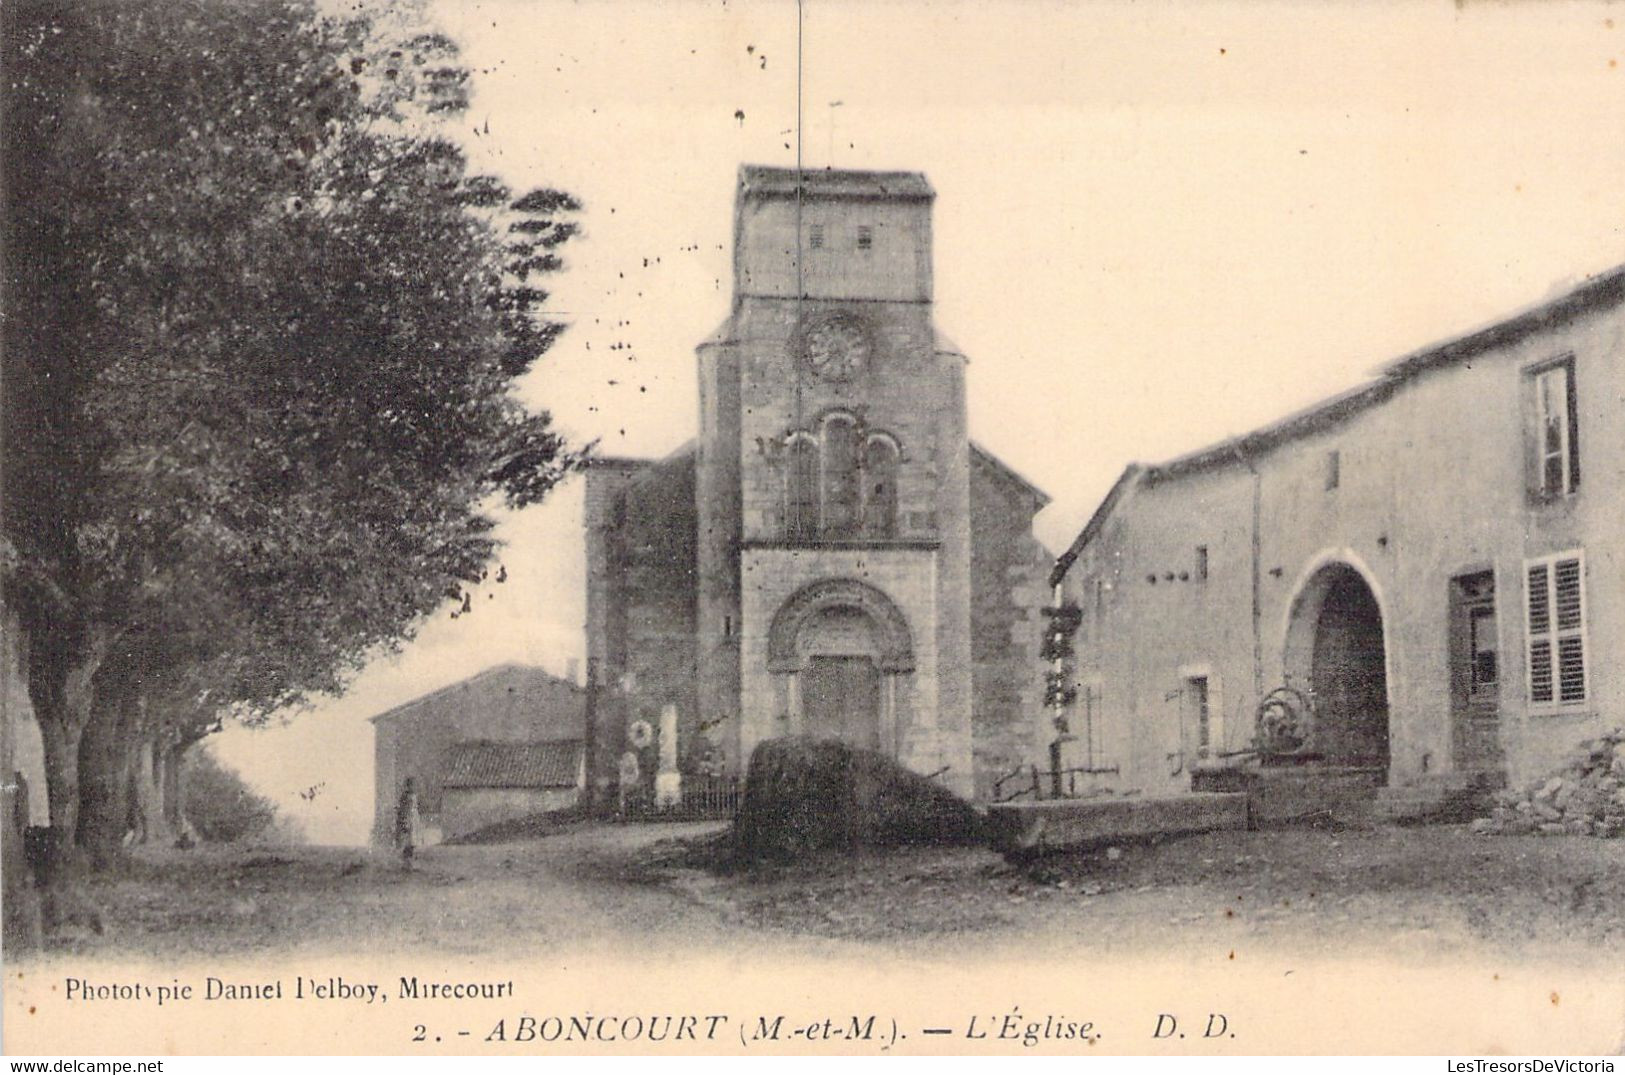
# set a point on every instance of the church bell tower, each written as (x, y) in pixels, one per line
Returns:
(832, 481)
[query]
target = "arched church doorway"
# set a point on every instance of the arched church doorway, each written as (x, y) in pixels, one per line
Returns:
(840, 681)
(1337, 651)
(842, 648)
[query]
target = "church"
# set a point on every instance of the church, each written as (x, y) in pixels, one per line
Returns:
(832, 556)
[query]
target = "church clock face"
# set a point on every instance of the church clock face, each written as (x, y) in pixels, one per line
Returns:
(836, 348)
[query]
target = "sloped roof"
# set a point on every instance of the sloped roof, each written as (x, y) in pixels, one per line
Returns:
(1603, 290)
(1009, 473)
(511, 669)
(485, 764)
(633, 462)
(1123, 483)
(832, 182)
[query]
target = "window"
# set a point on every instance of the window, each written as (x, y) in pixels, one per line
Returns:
(815, 236)
(1201, 564)
(1334, 469)
(879, 487)
(843, 484)
(866, 237)
(801, 489)
(1196, 701)
(1555, 602)
(1555, 451)
(1481, 644)
(841, 492)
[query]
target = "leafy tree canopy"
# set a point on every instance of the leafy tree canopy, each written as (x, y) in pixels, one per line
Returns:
(263, 329)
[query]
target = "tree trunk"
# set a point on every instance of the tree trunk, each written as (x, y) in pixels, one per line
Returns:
(61, 688)
(106, 755)
(21, 922)
(146, 793)
(175, 794)
(169, 787)
(60, 740)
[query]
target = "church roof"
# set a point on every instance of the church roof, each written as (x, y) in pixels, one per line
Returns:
(1009, 473)
(769, 180)
(486, 764)
(631, 462)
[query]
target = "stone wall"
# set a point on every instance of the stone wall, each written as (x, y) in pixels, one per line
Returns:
(642, 591)
(471, 809)
(1009, 569)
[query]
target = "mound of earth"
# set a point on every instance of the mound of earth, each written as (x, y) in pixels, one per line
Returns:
(805, 794)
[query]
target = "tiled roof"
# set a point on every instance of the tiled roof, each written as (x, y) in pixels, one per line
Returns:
(485, 764)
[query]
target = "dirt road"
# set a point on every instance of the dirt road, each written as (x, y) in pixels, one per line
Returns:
(641, 889)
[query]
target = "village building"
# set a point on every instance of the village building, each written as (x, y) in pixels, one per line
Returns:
(1423, 576)
(499, 746)
(832, 556)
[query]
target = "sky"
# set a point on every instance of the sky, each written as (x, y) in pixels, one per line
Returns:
(1156, 226)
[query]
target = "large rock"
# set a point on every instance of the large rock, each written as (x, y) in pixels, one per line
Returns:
(806, 794)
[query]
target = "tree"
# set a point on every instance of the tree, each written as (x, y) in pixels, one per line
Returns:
(263, 332)
(220, 806)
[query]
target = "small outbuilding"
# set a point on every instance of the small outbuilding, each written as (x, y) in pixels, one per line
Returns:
(492, 746)
(487, 782)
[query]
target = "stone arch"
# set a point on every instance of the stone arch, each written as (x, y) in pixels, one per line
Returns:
(892, 636)
(1335, 648)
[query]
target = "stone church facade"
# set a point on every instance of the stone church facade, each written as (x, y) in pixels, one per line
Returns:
(832, 556)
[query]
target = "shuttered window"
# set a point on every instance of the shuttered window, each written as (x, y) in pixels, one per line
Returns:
(1554, 589)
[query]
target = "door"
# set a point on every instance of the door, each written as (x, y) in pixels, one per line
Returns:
(841, 700)
(1475, 675)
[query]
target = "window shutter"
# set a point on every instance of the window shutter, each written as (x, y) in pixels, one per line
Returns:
(1571, 669)
(1540, 614)
(1531, 439)
(1571, 677)
(1573, 405)
(1568, 595)
(1556, 630)
(1540, 643)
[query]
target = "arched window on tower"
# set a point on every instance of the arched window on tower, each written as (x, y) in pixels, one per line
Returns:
(801, 489)
(841, 490)
(879, 487)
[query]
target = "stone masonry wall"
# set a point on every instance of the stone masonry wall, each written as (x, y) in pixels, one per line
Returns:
(1009, 590)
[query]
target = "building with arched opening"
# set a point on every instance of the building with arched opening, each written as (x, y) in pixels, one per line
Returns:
(1431, 566)
(832, 556)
